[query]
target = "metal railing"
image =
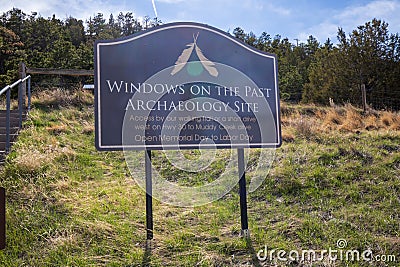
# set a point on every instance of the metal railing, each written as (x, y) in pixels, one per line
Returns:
(21, 105)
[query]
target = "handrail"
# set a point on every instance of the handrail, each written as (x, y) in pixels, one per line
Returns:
(11, 86)
(26, 78)
(14, 84)
(4, 89)
(21, 105)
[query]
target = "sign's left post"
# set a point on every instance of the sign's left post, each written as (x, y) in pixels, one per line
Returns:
(149, 198)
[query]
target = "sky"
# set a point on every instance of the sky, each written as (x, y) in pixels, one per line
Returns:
(292, 19)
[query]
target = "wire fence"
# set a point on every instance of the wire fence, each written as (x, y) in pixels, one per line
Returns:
(45, 82)
(384, 100)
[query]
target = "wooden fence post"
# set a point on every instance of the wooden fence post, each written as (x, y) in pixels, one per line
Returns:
(22, 75)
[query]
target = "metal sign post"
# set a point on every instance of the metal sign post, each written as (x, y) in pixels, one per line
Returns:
(245, 232)
(149, 198)
(243, 195)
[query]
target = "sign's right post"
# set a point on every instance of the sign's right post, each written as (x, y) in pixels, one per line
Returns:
(243, 195)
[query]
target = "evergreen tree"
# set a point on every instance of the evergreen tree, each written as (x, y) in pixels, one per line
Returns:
(10, 55)
(368, 56)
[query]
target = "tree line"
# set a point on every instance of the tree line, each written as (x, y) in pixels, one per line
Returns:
(310, 72)
(314, 72)
(54, 43)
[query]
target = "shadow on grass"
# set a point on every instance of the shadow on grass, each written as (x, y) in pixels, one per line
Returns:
(146, 261)
(254, 260)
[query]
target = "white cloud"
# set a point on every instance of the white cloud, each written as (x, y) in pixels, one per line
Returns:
(322, 32)
(260, 5)
(387, 10)
(37, 6)
(376, 8)
(81, 9)
(279, 10)
(170, 1)
(353, 16)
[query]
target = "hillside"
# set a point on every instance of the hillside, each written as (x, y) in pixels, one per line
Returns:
(335, 177)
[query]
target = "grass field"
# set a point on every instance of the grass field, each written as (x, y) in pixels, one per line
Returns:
(336, 177)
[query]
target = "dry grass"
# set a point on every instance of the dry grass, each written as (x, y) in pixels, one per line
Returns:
(387, 118)
(287, 136)
(371, 123)
(61, 97)
(296, 124)
(57, 129)
(304, 127)
(40, 152)
(353, 120)
(88, 128)
(390, 120)
(343, 119)
(331, 119)
(32, 159)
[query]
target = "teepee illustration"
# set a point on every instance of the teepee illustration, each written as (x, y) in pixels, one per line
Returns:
(185, 56)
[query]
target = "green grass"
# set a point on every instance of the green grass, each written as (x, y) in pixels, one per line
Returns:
(69, 205)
